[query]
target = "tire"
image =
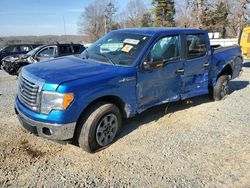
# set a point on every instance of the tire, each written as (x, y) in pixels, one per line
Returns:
(221, 89)
(99, 127)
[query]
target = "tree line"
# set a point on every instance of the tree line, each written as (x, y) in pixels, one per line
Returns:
(224, 16)
(46, 39)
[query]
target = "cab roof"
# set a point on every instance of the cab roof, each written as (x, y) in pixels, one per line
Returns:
(160, 30)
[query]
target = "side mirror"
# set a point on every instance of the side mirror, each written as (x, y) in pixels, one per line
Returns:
(150, 63)
(147, 63)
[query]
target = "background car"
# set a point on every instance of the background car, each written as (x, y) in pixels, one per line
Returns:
(13, 64)
(16, 49)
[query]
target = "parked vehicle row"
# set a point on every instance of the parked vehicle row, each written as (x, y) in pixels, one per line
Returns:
(13, 64)
(85, 98)
(16, 49)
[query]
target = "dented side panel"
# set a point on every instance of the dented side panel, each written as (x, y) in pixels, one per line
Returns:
(226, 56)
(159, 85)
(195, 81)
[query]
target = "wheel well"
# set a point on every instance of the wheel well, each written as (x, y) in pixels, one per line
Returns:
(227, 70)
(111, 99)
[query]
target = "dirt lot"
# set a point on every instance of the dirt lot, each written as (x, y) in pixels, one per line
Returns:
(200, 144)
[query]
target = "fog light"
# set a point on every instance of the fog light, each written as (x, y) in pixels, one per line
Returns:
(47, 131)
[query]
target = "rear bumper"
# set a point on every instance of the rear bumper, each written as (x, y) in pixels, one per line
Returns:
(47, 130)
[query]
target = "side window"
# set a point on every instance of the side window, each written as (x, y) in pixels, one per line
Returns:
(196, 46)
(47, 52)
(166, 49)
(77, 48)
(17, 49)
(65, 49)
(25, 48)
(10, 49)
(248, 38)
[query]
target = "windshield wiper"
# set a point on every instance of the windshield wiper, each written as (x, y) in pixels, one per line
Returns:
(106, 57)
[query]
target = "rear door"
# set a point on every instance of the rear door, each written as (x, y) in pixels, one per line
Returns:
(196, 66)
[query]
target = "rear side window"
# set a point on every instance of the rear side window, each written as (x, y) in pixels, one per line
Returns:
(248, 38)
(196, 46)
(78, 49)
(11, 49)
(65, 49)
(25, 48)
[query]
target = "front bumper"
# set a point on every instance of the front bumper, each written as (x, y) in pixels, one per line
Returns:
(47, 130)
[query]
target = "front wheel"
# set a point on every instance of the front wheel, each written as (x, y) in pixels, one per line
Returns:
(100, 126)
(221, 89)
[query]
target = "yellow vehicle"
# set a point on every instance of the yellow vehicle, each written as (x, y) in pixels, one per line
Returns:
(245, 42)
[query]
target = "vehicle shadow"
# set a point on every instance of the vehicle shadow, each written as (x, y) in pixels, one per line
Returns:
(246, 64)
(155, 113)
(237, 85)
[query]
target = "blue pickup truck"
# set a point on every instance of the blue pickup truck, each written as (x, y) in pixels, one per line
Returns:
(84, 98)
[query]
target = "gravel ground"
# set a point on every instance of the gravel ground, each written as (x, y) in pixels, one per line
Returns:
(199, 143)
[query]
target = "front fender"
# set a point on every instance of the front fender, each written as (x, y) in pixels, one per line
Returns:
(88, 91)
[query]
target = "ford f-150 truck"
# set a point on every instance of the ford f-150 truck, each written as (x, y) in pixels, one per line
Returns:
(122, 74)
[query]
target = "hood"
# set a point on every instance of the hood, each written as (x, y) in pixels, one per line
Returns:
(68, 68)
(13, 58)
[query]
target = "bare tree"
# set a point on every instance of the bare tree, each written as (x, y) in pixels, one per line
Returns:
(97, 19)
(109, 12)
(201, 14)
(236, 16)
(183, 16)
(134, 11)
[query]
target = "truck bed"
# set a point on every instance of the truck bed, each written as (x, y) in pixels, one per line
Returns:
(226, 49)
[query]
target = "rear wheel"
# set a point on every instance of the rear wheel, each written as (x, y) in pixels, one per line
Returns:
(221, 89)
(100, 126)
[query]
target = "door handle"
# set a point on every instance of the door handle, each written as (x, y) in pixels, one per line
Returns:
(206, 64)
(181, 70)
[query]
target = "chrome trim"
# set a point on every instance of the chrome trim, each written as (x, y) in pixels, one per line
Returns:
(29, 90)
(127, 79)
(58, 131)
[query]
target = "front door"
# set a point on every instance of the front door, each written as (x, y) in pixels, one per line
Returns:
(46, 53)
(160, 75)
(195, 81)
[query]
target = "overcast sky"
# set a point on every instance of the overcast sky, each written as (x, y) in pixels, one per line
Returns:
(43, 17)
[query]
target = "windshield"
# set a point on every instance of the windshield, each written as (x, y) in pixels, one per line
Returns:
(32, 52)
(117, 48)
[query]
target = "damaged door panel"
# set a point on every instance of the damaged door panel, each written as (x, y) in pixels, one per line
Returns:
(160, 77)
(198, 60)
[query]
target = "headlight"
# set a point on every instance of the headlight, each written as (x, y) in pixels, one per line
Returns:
(55, 101)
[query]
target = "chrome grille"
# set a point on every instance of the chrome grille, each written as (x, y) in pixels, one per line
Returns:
(28, 93)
